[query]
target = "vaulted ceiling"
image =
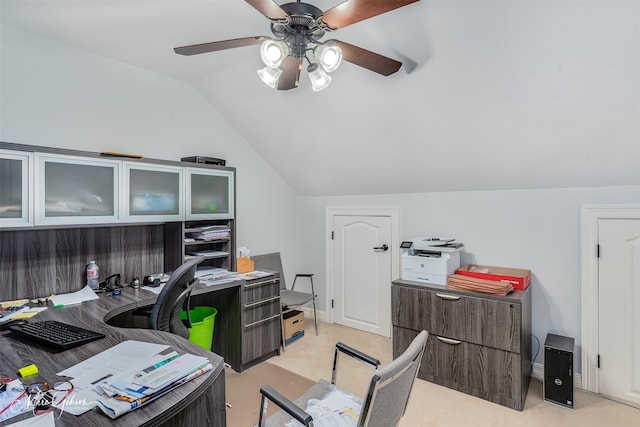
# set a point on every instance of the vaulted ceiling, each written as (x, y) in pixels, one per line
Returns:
(491, 95)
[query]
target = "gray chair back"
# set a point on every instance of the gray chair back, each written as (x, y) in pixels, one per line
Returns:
(270, 262)
(390, 388)
(165, 315)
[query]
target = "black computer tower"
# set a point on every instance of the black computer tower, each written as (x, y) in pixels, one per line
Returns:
(558, 370)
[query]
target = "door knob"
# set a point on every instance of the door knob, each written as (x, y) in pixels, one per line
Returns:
(381, 248)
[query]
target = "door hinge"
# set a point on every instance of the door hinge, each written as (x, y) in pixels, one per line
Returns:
(598, 361)
(332, 235)
(597, 251)
(331, 303)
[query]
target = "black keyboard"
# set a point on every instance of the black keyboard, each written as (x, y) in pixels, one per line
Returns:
(56, 334)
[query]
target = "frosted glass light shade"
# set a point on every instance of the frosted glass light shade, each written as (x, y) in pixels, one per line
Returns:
(270, 75)
(273, 52)
(319, 79)
(328, 56)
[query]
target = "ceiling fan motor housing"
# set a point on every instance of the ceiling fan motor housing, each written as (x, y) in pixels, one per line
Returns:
(301, 28)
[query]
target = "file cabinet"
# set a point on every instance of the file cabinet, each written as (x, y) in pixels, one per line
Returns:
(261, 333)
(478, 344)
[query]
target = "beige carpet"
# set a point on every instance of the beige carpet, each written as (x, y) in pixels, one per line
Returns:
(243, 391)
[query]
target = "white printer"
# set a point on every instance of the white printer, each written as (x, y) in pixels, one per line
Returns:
(430, 259)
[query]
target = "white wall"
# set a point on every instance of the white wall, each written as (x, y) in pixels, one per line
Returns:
(59, 96)
(533, 229)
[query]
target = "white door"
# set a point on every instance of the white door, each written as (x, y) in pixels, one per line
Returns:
(362, 251)
(619, 308)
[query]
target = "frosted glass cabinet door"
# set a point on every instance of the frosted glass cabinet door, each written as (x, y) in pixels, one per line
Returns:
(153, 193)
(210, 194)
(16, 189)
(76, 190)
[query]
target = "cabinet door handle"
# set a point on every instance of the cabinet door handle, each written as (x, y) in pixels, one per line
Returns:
(267, 282)
(449, 340)
(448, 297)
(264, 301)
(262, 321)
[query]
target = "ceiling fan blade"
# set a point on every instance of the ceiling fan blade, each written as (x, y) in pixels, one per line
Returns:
(290, 77)
(269, 8)
(367, 59)
(196, 49)
(352, 11)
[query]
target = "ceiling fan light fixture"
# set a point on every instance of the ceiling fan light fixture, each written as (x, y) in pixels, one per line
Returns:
(273, 52)
(329, 56)
(319, 79)
(270, 75)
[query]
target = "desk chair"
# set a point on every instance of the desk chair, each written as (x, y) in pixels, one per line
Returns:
(386, 399)
(165, 313)
(290, 299)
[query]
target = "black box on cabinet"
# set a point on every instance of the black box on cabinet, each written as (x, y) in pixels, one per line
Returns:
(558, 370)
(205, 160)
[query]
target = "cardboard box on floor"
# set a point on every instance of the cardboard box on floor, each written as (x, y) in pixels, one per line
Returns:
(293, 325)
(518, 277)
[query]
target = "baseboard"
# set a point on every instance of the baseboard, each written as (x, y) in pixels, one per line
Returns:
(538, 373)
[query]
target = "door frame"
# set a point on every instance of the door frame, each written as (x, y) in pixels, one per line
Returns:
(590, 215)
(330, 211)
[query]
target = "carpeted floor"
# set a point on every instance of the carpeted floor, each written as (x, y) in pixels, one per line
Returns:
(243, 391)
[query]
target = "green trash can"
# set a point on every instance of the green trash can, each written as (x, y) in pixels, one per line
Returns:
(202, 321)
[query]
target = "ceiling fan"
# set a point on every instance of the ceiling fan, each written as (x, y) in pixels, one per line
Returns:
(297, 29)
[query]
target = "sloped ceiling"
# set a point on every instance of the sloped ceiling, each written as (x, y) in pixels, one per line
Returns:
(492, 94)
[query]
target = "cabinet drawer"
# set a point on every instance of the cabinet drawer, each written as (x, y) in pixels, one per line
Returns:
(260, 338)
(488, 373)
(259, 290)
(260, 310)
(436, 312)
(482, 321)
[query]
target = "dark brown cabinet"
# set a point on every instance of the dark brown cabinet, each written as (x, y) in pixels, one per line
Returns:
(478, 344)
(260, 299)
(247, 326)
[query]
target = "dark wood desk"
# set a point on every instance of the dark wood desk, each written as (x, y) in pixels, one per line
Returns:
(198, 402)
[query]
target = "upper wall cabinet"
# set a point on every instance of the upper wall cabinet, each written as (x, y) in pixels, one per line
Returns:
(152, 193)
(16, 187)
(209, 194)
(76, 190)
(48, 187)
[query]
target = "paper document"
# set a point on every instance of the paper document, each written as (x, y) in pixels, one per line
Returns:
(210, 254)
(336, 409)
(85, 294)
(87, 374)
(117, 404)
(13, 391)
(254, 275)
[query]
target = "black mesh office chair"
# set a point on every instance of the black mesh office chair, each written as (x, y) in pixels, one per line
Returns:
(165, 313)
(386, 399)
(290, 299)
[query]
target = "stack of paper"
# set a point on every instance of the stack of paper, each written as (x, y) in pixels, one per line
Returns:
(336, 409)
(460, 282)
(126, 392)
(84, 294)
(210, 253)
(215, 276)
(211, 232)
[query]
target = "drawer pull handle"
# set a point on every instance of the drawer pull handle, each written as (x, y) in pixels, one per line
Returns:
(448, 297)
(449, 340)
(262, 321)
(264, 301)
(268, 282)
